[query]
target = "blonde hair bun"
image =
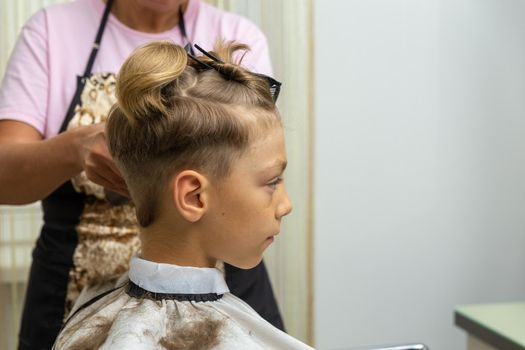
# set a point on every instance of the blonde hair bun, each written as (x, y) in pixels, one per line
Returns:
(141, 80)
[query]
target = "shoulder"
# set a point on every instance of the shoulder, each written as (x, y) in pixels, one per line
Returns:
(78, 8)
(70, 16)
(212, 24)
(227, 25)
(64, 22)
(226, 18)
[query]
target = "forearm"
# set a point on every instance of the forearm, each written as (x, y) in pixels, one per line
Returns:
(31, 171)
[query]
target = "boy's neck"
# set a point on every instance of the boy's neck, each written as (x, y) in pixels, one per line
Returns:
(176, 246)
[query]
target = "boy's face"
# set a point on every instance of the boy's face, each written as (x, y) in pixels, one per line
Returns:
(247, 206)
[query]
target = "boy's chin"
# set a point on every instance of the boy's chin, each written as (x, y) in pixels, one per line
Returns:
(246, 264)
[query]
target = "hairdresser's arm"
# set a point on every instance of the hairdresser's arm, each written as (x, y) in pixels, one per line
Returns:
(31, 168)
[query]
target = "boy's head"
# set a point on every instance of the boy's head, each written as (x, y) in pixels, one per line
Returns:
(201, 147)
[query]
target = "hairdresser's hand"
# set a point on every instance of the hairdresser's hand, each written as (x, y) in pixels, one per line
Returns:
(96, 160)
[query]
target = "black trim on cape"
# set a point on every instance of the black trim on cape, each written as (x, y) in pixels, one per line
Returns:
(135, 291)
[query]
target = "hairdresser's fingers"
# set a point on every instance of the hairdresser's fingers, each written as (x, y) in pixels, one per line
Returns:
(100, 164)
(110, 183)
(99, 153)
(123, 192)
(94, 157)
(97, 165)
(99, 172)
(100, 180)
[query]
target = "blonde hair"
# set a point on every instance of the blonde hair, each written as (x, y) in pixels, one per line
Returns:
(171, 113)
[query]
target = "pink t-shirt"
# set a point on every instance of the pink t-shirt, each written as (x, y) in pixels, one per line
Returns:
(54, 46)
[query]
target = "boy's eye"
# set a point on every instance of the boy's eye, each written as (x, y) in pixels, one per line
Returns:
(273, 184)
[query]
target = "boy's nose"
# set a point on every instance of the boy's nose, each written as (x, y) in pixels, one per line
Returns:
(285, 206)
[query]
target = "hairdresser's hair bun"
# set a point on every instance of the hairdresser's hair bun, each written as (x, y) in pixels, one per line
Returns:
(141, 80)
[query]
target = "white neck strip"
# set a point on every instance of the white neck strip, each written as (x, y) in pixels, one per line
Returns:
(173, 279)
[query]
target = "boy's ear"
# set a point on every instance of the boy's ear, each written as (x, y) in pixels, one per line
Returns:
(190, 194)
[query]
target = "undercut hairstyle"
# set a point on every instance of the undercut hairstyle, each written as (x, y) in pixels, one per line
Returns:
(171, 114)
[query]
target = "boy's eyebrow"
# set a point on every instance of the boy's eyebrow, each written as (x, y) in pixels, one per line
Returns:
(279, 163)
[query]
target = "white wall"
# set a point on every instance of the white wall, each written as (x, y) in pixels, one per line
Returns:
(420, 166)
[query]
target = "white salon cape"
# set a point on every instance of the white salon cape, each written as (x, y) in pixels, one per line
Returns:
(165, 306)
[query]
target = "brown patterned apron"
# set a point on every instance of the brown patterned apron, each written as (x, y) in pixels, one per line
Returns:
(107, 232)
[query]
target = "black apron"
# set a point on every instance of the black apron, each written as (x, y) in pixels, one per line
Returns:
(44, 305)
